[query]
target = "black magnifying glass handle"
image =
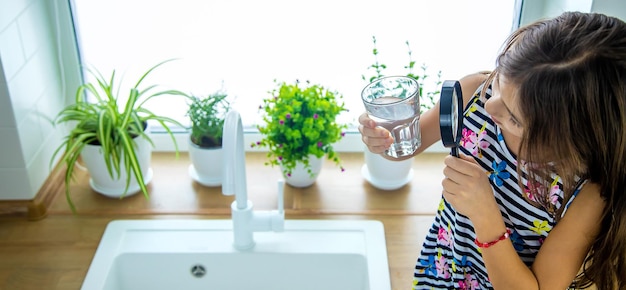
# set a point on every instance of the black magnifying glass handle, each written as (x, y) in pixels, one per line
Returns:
(451, 115)
(454, 151)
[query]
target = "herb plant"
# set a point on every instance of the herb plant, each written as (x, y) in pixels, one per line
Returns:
(426, 101)
(300, 121)
(207, 119)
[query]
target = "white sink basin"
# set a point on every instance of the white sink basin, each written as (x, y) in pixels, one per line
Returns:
(198, 254)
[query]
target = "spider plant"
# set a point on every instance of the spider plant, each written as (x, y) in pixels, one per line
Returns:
(112, 123)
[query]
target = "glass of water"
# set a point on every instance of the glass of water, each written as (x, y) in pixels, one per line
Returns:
(394, 103)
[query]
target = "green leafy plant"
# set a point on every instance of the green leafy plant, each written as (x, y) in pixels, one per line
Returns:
(207, 119)
(110, 124)
(300, 120)
(428, 100)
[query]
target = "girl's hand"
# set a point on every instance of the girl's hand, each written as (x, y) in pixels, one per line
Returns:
(377, 139)
(466, 187)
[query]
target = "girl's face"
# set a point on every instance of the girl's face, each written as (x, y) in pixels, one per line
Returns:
(502, 106)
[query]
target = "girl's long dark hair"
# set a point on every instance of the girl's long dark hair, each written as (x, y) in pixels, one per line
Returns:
(571, 77)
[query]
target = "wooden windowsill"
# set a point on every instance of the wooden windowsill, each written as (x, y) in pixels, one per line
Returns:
(172, 191)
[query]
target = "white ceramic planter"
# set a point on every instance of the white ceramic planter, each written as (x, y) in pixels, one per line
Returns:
(386, 174)
(300, 177)
(206, 165)
(100, 180)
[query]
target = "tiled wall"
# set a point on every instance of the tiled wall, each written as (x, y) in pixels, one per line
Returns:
(30, 96)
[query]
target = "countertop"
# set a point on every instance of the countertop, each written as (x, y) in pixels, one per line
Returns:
(55, 252)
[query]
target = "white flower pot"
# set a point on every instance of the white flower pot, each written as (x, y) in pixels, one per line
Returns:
(206, 165)
(100, 180)
(300, 176)
(386, 174)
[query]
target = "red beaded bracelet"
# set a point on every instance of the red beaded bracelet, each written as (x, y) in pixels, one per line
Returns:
(504, 236)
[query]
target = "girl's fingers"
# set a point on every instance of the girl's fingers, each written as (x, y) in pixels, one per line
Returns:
(464, 164)
(375, 136)
(451, 186)
(376, 141)
(378, 132)
(452, 174)
(366, 121)
(468, 158)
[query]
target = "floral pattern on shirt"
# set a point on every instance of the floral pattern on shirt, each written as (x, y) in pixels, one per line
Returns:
(517, 241)
(428, 266)
(441, 267)
(474, 141)
(473, 107)
(444, 237)
(469, 283)
(548, 198)
(541, 227)
(499, 173)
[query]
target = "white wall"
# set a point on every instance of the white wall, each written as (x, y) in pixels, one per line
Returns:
(537, 9)
(31, 93)
(616, 8)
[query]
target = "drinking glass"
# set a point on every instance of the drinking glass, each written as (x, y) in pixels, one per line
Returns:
(394, 103)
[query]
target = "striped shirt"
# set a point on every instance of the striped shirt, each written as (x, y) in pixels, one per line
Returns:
(449, 258)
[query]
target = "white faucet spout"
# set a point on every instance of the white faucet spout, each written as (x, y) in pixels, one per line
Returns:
(245, 220)
(234, 160)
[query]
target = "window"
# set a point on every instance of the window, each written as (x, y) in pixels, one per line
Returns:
(242, 46)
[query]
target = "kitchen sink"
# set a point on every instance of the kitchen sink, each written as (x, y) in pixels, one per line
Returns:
(198, 254)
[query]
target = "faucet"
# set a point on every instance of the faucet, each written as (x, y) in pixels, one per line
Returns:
(245, 220)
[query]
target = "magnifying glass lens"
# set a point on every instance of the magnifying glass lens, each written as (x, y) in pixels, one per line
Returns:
(455, 116)
(450, 115)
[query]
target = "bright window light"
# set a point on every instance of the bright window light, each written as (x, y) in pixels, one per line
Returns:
(242, 46)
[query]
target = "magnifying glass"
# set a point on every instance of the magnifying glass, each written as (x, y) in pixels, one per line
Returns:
(451, 115)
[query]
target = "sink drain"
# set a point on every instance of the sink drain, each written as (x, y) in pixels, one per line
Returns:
(198, 271)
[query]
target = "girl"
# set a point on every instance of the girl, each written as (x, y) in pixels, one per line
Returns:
(538, 200)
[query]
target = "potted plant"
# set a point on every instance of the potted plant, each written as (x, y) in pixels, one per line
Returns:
(205, 140)
(108, 134)
(300, 128)
(380, 172)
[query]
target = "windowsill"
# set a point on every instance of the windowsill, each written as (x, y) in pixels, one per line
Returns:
(172, 191)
